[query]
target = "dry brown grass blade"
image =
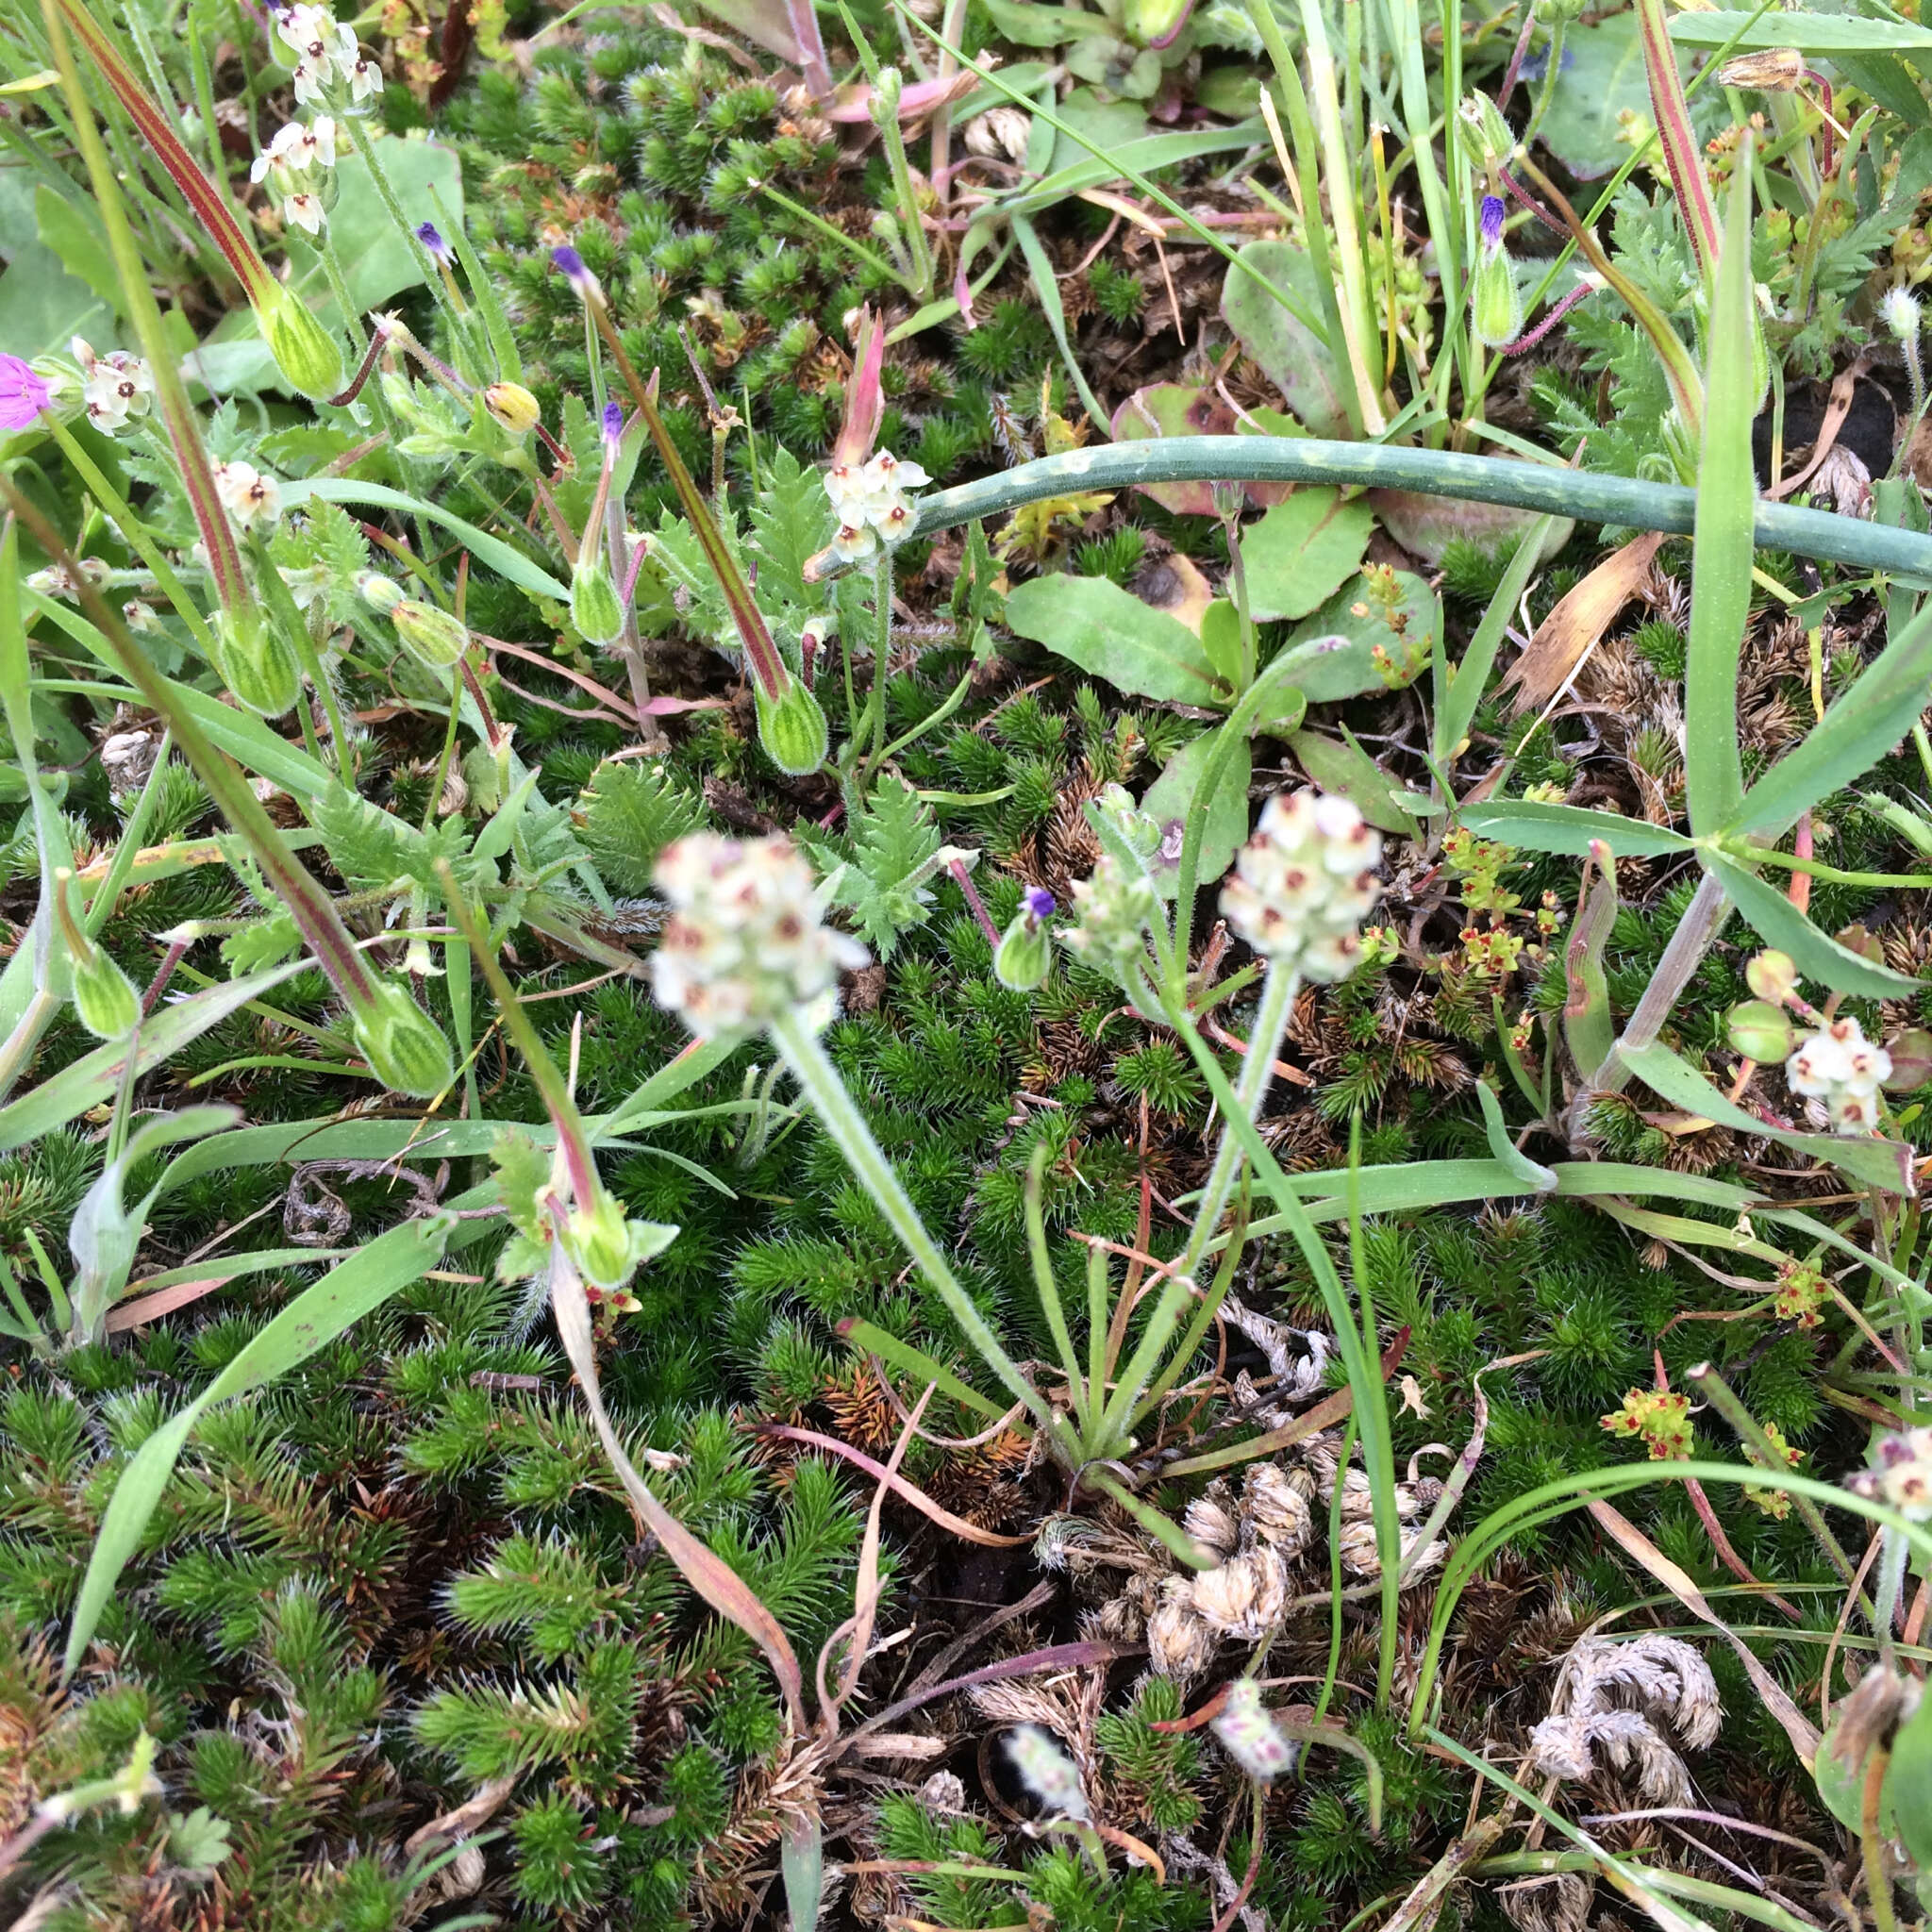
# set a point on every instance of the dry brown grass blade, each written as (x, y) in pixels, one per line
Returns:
(788, 1432)
(1838, 407)
(1802, 1732)
(1581, 616)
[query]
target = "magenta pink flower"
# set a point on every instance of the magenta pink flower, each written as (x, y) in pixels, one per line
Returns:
(22, 394)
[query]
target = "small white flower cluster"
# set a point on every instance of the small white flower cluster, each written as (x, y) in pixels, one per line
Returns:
(1248, 1735)
(1114, 909)
(56, 580)
(114, 387)
(871, 503)
(1900, 1475)
(1049, 1775)
(1840, 1067)
(1304, 883)
(291, 160)
(744, 944)
(327, 56)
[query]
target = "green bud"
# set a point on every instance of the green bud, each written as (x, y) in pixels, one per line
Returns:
(594, 606)
(1484, 130)
(1761, 1031)
(1153, 23)
(1495, 303)
(256, 662)
(597, 1237)
(404, 1046)
(1771, 976)
(792, 731)
(104, 996)
(428, 633)
(1025, 951)
(305, 352)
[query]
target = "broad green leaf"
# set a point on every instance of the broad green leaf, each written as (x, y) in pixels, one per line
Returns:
(1457, 697)
(1721, 549)
(1819, 956)
(1570, 829)
(1335, 653)
(41, 305)
(1303, 551)
(1174, 796)
(1878, 1163)
(76, 237)
(1600, 80)
(342, 1297)
(377, 262)
(1126, 160)
(1340, 765)
(1820, 35)
(1026, 25)
(1289, 344)
(1909, 1784)
(94, 1076)
(1095, 624)
(499, 556)
(1865, 723)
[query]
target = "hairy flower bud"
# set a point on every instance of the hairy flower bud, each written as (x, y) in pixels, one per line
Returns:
(1114, 911)
(793, 729)
(1248, 1735)
(1025, 956)
(595, 607)
(256, 661)
(1495, 303)
(744, 944)
(1771, 976)
(1048, 1771)
(305, 352)
(1761, 1031)
(435, 635)
(1304, 883)
(380, 594)
(405, 1049)
(513, 407)
(104, 996)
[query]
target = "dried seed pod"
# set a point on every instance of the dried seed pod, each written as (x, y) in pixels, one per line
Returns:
(1179, 1644)
(1211, 1523)
(1246, 1596)
(1276, 1512)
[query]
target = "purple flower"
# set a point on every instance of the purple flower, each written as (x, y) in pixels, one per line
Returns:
(613, 423)
(1494, 209)
(22, 394)
(1039, 902)
(439, 250)
(570, 264)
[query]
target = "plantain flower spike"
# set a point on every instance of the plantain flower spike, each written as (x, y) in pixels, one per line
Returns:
(1304, 883)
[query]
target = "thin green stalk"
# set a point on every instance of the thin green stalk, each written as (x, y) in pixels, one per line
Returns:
(1049, 1293)
(819, 1080)
(1278, 988)
(1334, 1500)
(1364, 1368)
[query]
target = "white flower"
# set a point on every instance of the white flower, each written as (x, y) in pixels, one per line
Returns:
(1838, 1066)
(113, 387)
(1898, 308)
(873, 500)
(303, 212)
(1304, 883)
(744, 944)
(296, 148)
(1048, 1771)
(364, 76)
(247, 495)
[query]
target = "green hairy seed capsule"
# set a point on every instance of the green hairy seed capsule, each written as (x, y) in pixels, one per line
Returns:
(1495, 304)
(104, 997)
(256, 662)
(792, 731)
(1026, 950)
(514, 407)
(1761, 1031)
(428, 633)
(404, 1046)
(598, 1239)
(305, 352)
(594, 606)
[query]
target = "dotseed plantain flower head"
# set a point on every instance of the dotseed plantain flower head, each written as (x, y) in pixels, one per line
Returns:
(744, 944)
(1304, 883)
(1838, 1066)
